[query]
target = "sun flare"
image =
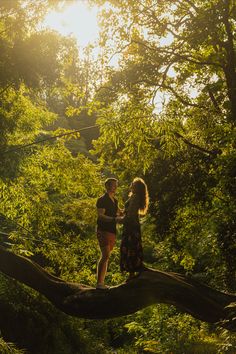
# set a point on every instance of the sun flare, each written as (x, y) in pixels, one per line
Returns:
(76, 19)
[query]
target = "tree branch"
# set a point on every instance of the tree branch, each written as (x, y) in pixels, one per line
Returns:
(197, 147)
(176, 56)
(213, 100)
(192, 5)
(181, 99)
(150, 287)
(5, 89)
(230, 71)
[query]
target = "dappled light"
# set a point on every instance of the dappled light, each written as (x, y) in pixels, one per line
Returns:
(99, 89)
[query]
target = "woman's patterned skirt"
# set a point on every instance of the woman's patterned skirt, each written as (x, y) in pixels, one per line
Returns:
(131, 250)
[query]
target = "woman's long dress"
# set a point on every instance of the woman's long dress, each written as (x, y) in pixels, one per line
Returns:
(131, 251)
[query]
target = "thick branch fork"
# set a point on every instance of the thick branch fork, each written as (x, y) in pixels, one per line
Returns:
(151, 287)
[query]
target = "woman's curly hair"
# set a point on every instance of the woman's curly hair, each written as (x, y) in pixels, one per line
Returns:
(140, 189)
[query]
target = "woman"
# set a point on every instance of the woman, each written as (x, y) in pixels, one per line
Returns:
(131, 251)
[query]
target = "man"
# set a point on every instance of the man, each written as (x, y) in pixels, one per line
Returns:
(107, 209)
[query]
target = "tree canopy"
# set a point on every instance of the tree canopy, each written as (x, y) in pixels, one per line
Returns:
(158, 101)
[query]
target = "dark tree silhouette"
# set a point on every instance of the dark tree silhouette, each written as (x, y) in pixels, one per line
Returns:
(151, 287)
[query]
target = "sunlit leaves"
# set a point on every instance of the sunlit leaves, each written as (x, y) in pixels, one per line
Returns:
(127, 130)
(9, 348)
(56, 185)
(185, 152)
(22, 120)
(161, 329)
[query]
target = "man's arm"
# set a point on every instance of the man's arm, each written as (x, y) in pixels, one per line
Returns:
(106, 218)
(103, 217)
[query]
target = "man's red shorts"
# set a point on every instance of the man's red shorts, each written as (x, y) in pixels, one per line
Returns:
(106, 238)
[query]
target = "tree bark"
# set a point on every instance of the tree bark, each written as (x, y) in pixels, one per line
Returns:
(151, 287)
(229, 69)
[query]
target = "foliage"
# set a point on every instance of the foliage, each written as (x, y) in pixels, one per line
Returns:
(185, 148)
(161, 329)
(53, 183)
(9, 348)
(166, 112)
(38, 327)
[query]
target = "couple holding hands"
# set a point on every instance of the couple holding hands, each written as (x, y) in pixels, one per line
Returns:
(109, 214)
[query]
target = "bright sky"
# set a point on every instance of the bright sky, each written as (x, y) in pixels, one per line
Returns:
(75, 19)
(80, 20)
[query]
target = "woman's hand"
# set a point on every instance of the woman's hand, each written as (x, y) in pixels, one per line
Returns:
(121, 212)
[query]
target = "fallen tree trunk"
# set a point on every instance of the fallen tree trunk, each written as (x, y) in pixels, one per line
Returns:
(151, 287)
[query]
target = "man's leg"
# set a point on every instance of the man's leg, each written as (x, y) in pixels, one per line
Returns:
(102, 264)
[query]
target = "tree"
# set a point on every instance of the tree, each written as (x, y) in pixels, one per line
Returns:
(186, 152)
(163, 50)
(151, 287)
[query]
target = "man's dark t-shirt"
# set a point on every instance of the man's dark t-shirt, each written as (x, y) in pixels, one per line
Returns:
(105, 202)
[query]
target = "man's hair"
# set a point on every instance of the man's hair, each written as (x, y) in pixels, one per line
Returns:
(109, 181)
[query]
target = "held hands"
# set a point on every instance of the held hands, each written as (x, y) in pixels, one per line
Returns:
(121, 212)
(119, 219)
